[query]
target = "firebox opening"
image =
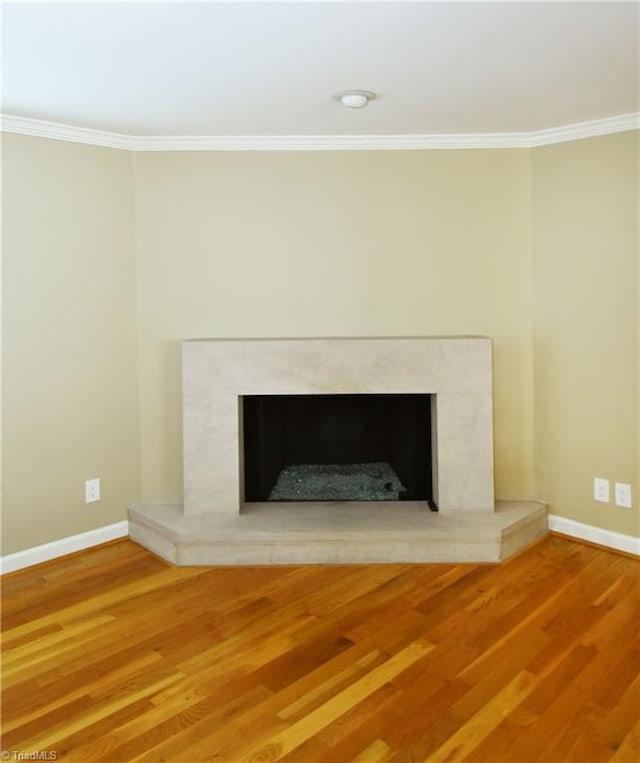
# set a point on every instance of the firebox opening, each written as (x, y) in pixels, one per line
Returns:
(337, 447)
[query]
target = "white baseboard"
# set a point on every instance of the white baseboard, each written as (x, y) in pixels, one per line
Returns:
(37, 554)
(627, 543)
(56, 548)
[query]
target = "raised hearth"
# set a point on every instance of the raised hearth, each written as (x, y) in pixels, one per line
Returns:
(338, 533)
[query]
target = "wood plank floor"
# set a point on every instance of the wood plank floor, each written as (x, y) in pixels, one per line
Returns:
(113, 655)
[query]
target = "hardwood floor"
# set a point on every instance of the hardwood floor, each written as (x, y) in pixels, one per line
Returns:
(112, 655)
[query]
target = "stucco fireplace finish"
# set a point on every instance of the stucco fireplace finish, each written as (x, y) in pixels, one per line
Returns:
(457, 371)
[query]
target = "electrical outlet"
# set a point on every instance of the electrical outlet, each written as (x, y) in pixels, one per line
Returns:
(623, 495)
(600, 490)
(92, 490)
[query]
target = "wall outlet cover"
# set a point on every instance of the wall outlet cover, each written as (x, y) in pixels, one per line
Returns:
(92, 490)
(601, 490)
(623, 495)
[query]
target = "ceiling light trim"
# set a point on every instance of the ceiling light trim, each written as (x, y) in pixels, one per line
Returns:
(355, 99)
(55, 130)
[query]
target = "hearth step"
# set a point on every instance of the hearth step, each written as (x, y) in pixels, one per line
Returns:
(359, 532)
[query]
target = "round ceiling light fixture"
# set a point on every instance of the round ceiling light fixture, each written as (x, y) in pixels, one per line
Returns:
(355, 99)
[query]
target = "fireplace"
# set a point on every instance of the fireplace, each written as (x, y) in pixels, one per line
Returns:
(219, 375)
(337, 447)
(254, 408)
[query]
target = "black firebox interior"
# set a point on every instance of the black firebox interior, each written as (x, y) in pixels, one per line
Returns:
(282, 430)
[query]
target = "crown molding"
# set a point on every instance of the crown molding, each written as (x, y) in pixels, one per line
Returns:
(330, 142)
(592, 129)
(57, 131)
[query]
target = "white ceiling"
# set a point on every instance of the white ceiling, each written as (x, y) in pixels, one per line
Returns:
(262, 69)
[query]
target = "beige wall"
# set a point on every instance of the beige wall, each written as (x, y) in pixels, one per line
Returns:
(69, 392)
(536, 249)
(333, 244)
(585, 325)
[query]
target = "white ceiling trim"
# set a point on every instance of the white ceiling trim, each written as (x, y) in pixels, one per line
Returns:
(591, 129)
(36, 127)
(41, 129)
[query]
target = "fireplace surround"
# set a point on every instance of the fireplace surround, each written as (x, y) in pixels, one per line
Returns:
(456, 371)
(216, 524)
